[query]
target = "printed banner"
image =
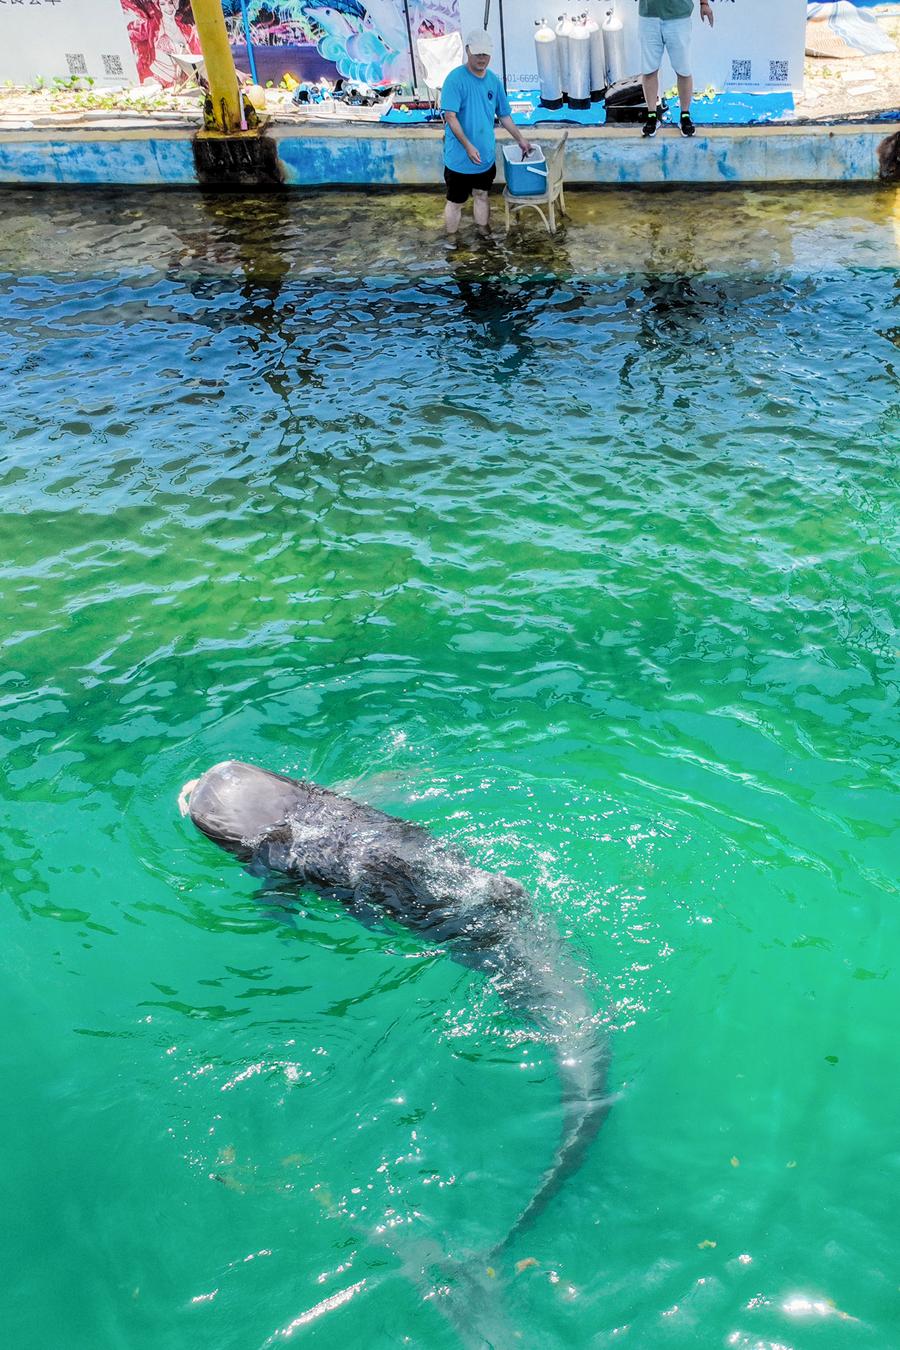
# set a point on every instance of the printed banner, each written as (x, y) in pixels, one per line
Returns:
(360, 40)
(754, 45)
(43, 40)
(135, 41)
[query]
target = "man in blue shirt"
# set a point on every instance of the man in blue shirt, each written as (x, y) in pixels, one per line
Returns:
(471, 100)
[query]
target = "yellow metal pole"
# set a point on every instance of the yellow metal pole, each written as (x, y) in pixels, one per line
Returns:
(220, 71)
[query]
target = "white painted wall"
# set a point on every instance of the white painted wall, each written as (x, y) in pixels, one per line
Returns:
(68, 37)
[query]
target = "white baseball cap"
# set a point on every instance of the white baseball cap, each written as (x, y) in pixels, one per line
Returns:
(479, 42)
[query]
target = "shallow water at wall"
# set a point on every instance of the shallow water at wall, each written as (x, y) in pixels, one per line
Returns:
(581, 552)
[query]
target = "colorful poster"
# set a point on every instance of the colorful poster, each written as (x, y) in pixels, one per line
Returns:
(312, 39)
(283, 41)
(157, 29)
(366, 41)
(363, 40)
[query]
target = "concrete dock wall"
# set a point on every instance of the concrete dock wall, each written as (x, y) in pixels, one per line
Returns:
(382, 156)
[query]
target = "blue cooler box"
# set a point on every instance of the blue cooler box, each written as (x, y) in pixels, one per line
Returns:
(525, 178)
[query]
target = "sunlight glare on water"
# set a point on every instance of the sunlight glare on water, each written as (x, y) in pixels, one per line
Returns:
(580, 552)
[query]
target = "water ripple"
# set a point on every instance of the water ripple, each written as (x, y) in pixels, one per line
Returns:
(582, 554)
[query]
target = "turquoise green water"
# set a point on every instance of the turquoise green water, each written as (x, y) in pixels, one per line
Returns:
(583, 554)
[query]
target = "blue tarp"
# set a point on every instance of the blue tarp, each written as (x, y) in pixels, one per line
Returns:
(724, 110)
(859, 30)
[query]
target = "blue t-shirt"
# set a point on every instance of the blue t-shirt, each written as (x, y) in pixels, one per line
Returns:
(477, 101)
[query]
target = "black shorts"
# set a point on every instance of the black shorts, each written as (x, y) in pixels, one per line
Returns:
(460, 186)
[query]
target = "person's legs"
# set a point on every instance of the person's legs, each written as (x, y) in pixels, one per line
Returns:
(651, 90)
(452, 217)
(481, 208)
(457, 194)
(678, 44)
(685, 92)
(462, 186)
(650, 32)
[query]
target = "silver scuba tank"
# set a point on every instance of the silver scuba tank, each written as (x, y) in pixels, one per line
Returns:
(546, 49)
(598, 60)
(614, 42)
(579, 64)
(563, 29)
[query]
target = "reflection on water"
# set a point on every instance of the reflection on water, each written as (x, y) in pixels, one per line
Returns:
(268, 239)
(578, 551)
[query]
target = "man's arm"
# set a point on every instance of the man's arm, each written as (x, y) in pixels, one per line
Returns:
(706, 12)
(509, 125)
(453, 123)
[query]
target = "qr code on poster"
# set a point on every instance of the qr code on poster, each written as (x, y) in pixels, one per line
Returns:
(76, 63)
(778, 72)
(112, 65)
(741, 71)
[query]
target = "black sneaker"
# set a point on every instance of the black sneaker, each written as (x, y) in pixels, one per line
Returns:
(651, 122)
(687, 126)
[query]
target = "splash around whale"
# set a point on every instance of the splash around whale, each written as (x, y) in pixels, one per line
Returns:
(380, 865)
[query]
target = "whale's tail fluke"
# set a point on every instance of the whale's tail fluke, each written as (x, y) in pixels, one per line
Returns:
(465, 1295)
(546, 989)
(583, 1072)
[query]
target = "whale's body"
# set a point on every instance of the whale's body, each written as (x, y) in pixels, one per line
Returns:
(377, 864)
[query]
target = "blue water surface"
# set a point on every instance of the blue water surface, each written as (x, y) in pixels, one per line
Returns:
(580, 552)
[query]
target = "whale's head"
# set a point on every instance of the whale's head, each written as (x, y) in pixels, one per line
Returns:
(237, 804)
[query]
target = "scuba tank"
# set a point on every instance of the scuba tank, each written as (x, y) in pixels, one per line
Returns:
(598, 59)
(614, 42)
(580, 64)
(547, 50)
(563, 29)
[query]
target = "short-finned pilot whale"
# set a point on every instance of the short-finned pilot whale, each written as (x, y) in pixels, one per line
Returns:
(378, 864)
